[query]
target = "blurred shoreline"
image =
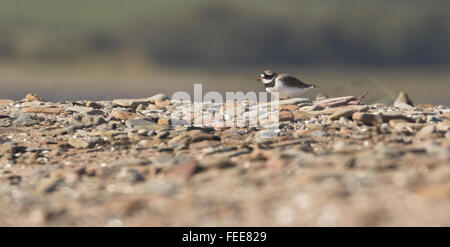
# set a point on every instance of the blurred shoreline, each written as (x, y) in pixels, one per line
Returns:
(107, 79)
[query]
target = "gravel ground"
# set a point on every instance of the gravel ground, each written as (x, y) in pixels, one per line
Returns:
(334, 162)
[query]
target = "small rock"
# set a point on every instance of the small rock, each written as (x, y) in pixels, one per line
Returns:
(12, 149)
(388, 116)
(46, 110)
(425, 132)
(6, 101)
(94, 105)
(140, 107)
(203, 144)
(139, 122)
(347, 112)
(33, 97)
(157, 97)
(403, 98)
(289, 107)
(95, 112)
(81, 143)
(124, 115)
(14, 179)
(424, 106)
(214, 163)
(163, 134)
(25, 120)
(52, 183)
(318, 133)
(93, 120)
(431, 118)
(366, 118)
(129, 103)
(183, 172)
(294, 101)
(131, 175)
(312, 108)
(301, 116)
(403, 106)
(335, 102)
(198, 136)
(130, 162)
(285, 116)
(276, 162)
(164, 121)
(162, 187)
(162, 103)
(443, 126)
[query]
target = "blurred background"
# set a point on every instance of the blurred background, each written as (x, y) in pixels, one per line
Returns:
(106, 49)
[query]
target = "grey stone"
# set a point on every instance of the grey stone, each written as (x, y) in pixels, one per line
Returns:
(131, 175)
(402, 100)
(294, 101)
(24, 120)
(96, 112)
(157, 97)
(134, 123)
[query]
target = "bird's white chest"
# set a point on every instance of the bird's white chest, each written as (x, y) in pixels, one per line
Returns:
(285, 91)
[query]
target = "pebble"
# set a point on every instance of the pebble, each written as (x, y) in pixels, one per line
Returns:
(130, 103)
(46, 110)
(94, 105)
(301, 116)
(312, 108)
(140, 122)
(25, 120)
(294, 101)
(33, 97)
(286, 116)
(164, 121)
(124, 115)
(289, 107)
(83, 143)
(425, 132)
(131, 175)
(130, 162)
(157, 97)
(335, 102)
(367, 118)
(6, 101)
(348, 112)
(388, 116)
(183, 172)
(403, 101)
(95, 112)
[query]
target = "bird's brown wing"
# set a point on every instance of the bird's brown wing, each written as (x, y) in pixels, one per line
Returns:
(291, 81)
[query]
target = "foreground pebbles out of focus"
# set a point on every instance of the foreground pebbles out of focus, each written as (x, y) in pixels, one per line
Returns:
(333, 162)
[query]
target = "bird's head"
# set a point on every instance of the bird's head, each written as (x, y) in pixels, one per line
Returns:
(267, 76)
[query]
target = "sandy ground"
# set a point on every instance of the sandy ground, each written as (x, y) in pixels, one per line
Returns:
(123, 163)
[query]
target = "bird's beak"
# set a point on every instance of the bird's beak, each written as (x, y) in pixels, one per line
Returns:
(260, 78)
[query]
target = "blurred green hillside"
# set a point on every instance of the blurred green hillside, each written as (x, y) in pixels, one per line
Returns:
(229, 33)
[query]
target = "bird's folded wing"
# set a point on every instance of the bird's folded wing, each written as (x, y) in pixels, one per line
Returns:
(291, 81)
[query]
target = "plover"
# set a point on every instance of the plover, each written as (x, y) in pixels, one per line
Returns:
(287, 86)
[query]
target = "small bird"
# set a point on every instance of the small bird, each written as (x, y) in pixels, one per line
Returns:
(287, 86)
